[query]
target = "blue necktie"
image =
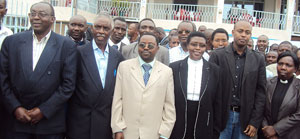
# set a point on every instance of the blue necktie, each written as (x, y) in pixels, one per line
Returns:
(147, 68)
(115, 46)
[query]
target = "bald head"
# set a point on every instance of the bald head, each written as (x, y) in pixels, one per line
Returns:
(242, 23)
(77, 27)
(208, 33)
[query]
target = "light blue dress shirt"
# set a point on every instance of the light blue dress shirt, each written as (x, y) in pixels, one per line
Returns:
(101, 60)
(143, 62)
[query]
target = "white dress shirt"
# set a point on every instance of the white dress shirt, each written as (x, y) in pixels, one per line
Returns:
(38, 47)
(4, 32)
(194, 79)
(101, 60)
(177, 53)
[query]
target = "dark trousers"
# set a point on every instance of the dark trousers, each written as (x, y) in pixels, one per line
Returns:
(192, 107)
(19, 135)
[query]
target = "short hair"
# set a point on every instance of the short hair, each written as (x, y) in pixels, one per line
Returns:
(120, 19)
(43, 2)
(195, 34)
(151, 34)
(189, 22)
(291, 54)
(106, 15)
(160, 30)
(145, 19)
(219, 30)
(286, 42)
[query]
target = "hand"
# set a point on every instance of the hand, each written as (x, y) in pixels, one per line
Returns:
(250, 131)
(269, 131)
(21, 115)
(119, 135)
(36, 115)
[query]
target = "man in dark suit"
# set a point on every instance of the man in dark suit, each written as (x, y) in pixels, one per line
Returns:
(89, 110)
(243, 84)
(118, 33)
(38, 73)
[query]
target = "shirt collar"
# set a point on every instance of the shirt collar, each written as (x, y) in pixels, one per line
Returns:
(111, 43)
(45, 39)
(143, 62)
(236, 53)
(95, 47)
(195, 62)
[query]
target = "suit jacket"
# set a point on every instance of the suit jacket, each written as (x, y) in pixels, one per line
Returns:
(131, 51)
(253, 86)
(89, 111)
(288, 124)
(209, 113)
(143, 112)
(48, 87)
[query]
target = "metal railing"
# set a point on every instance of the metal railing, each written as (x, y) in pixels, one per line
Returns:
(296, 24)
(199, 13)
(16, 18)
(128, 10)
(256, 18)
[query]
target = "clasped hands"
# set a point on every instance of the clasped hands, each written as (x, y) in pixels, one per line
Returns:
(25, 116)
(269, 132)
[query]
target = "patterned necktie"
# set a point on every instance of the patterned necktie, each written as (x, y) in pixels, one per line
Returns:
(115, 46)
(147, 68)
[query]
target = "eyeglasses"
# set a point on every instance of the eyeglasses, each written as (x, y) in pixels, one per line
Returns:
(150, 46)
(40, 15)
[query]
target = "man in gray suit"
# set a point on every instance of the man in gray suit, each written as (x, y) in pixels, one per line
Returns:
(131, 51)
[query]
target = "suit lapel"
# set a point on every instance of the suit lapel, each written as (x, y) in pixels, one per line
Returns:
(205, 77)
(230, 60)
(272, 89)
(91, 65)
(136, 72)
(289, 94)
(110, 71)
(46, 57)
(155, 74)
(183, 75)
(249, 63)
(26, 54)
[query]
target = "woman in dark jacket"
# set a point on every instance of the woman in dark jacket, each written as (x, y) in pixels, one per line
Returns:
(282, 113)
(197, 93)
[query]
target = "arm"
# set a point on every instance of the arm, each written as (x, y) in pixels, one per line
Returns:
(260, 96)
(284, 125)
(67, 86)
(117, 121)
(169, 113)
(10, 100)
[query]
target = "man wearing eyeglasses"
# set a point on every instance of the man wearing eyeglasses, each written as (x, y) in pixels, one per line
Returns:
(143, 102)
(38, 72)
(181, 52)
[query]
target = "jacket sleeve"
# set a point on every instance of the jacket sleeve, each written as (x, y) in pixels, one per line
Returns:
(117, 122)
(67, 83)
(260, 96)
(169, 113)
(10, 100)
(284, 125)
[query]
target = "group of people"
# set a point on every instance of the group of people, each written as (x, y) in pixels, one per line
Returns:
(95, 83)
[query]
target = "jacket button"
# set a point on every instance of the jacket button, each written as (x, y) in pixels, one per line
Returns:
(49, 72)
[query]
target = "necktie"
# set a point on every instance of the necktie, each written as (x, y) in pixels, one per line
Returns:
(115, 46)
(147, 68)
